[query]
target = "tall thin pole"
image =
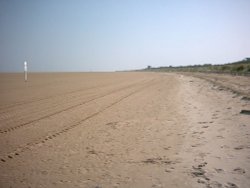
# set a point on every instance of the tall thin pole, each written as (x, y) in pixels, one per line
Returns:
(25, 71)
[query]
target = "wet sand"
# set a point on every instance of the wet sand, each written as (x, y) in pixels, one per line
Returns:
(123, 130)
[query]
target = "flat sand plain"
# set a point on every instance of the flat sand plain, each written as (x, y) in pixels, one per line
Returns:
(124, 130)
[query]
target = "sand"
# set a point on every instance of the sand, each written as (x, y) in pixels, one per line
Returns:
(124, 130)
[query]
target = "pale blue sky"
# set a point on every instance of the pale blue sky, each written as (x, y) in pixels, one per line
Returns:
(99, 35)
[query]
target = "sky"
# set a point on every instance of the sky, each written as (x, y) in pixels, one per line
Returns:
(111, 35)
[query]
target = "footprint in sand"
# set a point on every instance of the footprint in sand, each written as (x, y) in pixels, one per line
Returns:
(167, 148)
(219, 170)
(204, 127)
(239, 170)
(231, 185)
(239, 147)
(201, 181)
(245, 112)
(245, 98)
(220, 137)
(215, 184)
(202, 122)
(195, 132)
(198, 171)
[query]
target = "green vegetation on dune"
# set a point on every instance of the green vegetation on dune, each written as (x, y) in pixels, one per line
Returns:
(239, 67)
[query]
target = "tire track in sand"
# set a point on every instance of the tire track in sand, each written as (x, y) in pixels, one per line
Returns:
(37, 109)
(13, 105)
(42, 140)
(8, 130)
(4, 109)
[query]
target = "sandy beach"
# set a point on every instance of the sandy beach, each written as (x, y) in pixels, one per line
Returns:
(124, 129)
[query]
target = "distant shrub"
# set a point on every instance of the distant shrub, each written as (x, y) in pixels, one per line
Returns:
(238, 68)
(248, 68)
(215, 67)
(207, 65)
(225, 68)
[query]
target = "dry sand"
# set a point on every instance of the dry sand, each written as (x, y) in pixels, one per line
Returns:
(123, 130)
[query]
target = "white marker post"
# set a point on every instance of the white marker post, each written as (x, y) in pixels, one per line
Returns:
(25, 71)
